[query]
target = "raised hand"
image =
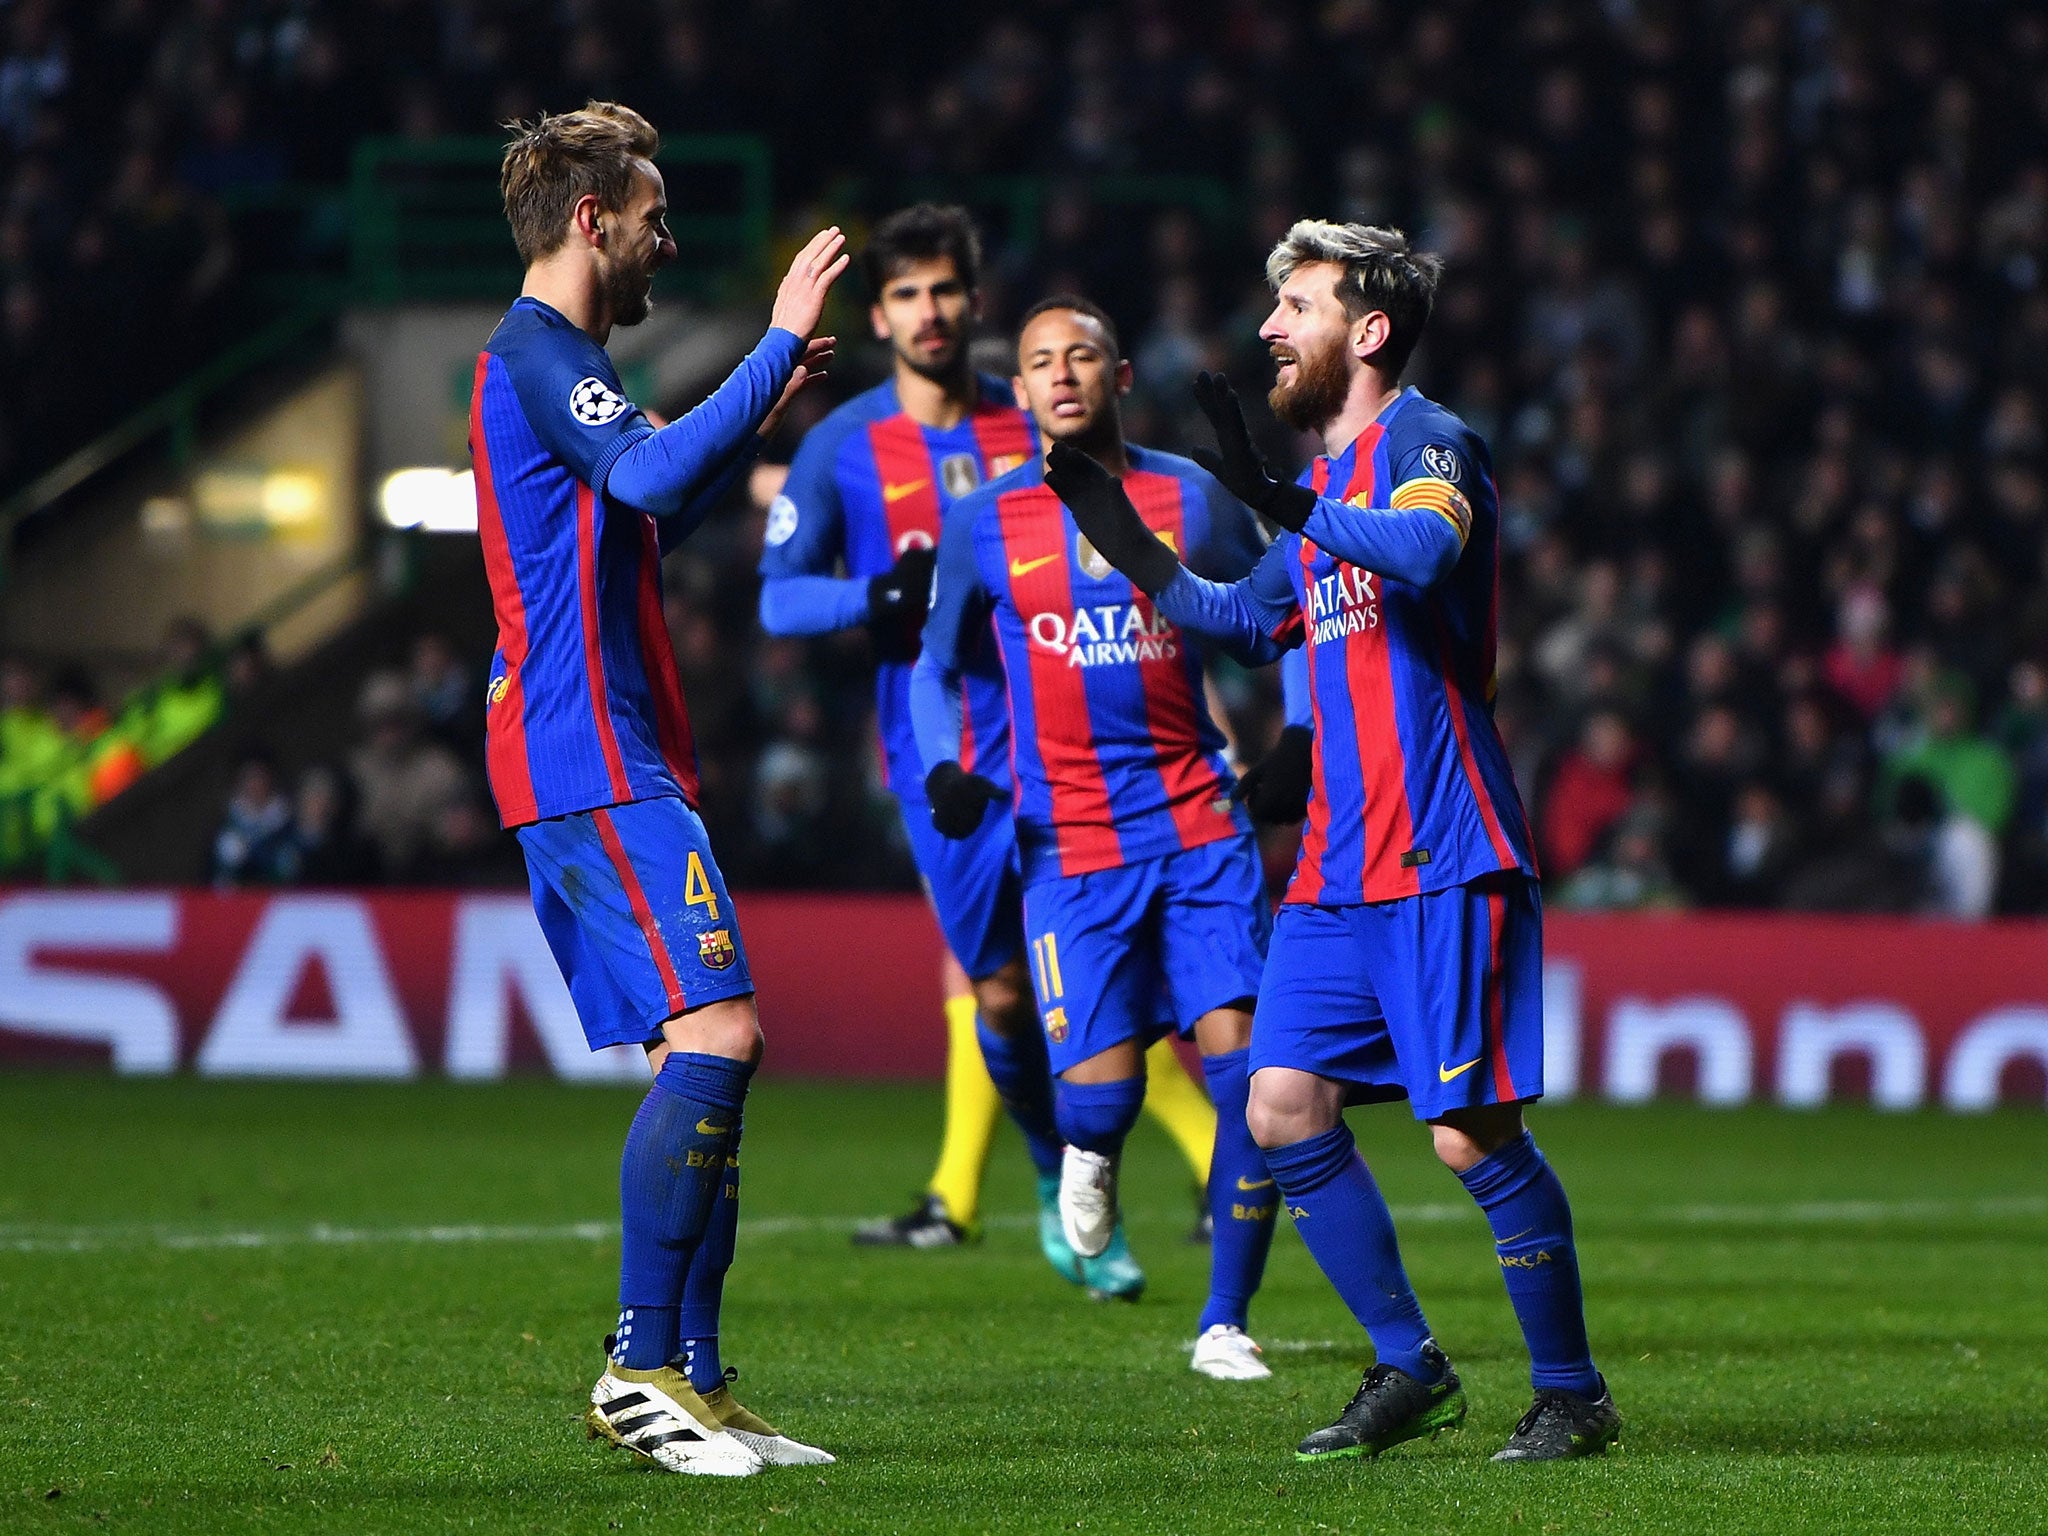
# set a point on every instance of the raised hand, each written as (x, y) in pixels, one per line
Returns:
(897, 600)
(815, 364)
(800, 301)
(1104, 514)
(1240, 465)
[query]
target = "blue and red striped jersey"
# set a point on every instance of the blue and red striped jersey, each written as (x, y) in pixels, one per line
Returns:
(1412, 789)
(870, 482)
(1114, 754)
(584, 706)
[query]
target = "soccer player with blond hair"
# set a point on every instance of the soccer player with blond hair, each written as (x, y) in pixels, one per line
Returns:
(1407, 957)
(588, 742)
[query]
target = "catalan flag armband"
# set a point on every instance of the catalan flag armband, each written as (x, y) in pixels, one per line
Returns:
(1440, 497)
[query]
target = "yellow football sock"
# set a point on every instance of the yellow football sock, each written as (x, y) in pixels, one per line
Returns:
(972, 1110)
(1177, 1103)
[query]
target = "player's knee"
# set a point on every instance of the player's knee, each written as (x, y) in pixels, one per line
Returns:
(730, 1028)
(1005, 1002)
(1282, 1111)
(1468, 1138)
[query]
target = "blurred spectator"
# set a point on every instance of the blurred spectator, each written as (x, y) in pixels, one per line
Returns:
(1589, 793)
(247, 667)
(1629, 876)
(1971, 774)
(255, 844)
(403, 781)
(185, 699)
(468, 848)
(331, 851)
(449, 695)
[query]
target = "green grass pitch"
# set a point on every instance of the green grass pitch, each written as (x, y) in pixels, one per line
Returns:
(283, 1308)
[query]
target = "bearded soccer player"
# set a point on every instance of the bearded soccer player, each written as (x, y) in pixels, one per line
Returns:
(866, 492)
(1141, 879)
(1407, 956)
(589, 750)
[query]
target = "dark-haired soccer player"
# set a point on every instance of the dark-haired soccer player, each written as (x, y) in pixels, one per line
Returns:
(867, 491)
(1407, 958)
(1140, 874)
(589, 747)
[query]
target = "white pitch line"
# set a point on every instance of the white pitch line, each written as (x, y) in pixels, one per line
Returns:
(92, 1239)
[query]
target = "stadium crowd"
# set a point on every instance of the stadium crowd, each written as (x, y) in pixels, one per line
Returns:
(1751, 301)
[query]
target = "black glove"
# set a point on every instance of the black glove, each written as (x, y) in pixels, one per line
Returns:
(1106, 518)
(958, 799)
(897, 600)
(1240, 466)
(1276, 787)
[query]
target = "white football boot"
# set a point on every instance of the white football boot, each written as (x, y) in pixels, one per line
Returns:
(1228, 1354)
(656, 1414)
(759, 1436)
(1087, 1201)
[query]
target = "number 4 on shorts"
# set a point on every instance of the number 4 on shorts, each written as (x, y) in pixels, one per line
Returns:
(697, 891)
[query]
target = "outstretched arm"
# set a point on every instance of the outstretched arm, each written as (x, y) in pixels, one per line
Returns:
(1417, 542)
(1253, 619)
(685, 467)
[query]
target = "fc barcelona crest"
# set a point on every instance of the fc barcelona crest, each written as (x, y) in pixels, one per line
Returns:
(959, 474)
(715, 948)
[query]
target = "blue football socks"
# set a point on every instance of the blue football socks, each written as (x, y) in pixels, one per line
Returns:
(704, 1283)
(1024, 1081)
(1342, 1216)
(670, 1178)
(1096, 1117)
(1532, 1231)
(1242, 1198)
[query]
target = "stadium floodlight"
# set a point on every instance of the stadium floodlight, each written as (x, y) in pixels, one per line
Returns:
(430, 499)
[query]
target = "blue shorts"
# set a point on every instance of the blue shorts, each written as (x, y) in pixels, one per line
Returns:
(637, 915)
(975, 885)
(1106, 946)
(1437, 998)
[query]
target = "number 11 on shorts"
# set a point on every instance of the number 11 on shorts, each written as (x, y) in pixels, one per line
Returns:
(1045, 958)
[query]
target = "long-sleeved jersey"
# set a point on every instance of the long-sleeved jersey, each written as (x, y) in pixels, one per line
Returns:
(1114, 753)
(577, 497)
(868, 483)
(1392, 587)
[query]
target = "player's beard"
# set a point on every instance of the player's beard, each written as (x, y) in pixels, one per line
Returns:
(629, 293)
(1318, 391)
(947, 368)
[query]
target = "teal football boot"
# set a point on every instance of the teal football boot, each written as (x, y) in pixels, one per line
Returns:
(1113, 1274)
(1052, 1237)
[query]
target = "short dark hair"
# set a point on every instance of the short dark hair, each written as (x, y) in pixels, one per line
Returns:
(554, 161)
(1379, 272)
(1079, 306)
(922, 232)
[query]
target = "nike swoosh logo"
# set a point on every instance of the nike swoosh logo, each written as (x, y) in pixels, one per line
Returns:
(893, 493)
(706, 1128)
(1444, 1074)
(1248, 1185)
(1503, 1242)
(1026, 567)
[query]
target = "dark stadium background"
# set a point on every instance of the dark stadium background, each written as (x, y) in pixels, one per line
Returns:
(1750, 300)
